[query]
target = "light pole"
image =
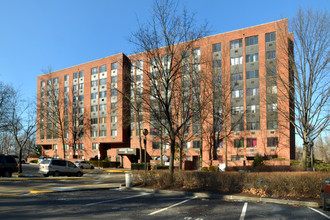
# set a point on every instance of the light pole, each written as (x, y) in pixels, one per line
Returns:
(145, 133)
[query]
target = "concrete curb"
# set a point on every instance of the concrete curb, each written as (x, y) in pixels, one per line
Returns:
(232, 197)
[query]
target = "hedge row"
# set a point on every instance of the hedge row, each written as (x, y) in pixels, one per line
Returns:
(297, 185)
(105, 164)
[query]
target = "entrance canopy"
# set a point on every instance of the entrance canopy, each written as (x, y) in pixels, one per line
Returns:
(126, 151)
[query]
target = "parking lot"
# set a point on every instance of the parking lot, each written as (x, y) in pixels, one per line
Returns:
(132, 204)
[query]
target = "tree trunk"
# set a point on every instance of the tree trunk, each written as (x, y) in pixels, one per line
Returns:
(180, 155)
(20, 161)
(172, 156)
(304, 159)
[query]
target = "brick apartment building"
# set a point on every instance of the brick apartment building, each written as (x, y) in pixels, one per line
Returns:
(86, 105)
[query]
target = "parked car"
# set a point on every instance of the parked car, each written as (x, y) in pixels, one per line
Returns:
(325, 194)
(8, 165)
(41, 158)
(59, 167)
(83, 164)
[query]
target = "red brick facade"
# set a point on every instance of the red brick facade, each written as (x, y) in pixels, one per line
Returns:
(260, 136)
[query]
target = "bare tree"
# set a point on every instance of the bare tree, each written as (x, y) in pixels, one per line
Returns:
(309, 62)
(22, 125)
(6, 104)
(166, 38)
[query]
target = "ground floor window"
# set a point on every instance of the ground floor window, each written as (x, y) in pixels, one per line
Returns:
(272, 142)
(237, 157)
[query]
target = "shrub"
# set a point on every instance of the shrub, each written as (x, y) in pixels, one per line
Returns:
(140, 166)
(160, 167)
(214, 168)
(205, 169)
(258, 161)
(105, 164)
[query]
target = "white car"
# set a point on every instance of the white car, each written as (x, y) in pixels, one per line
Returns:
(58, 167)
(83, 164)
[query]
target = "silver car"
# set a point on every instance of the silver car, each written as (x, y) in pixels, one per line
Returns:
(83, 164)
(59, 167)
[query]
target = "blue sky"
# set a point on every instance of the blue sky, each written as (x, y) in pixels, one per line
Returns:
(35, 34)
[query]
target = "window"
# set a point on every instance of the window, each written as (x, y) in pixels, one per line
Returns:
(81, 98)
(43, 84)
(103, 68)
(81, 86)
(252, 91)
(81, 146)
(66, 78)
(138, 78)
(55, 147)
(81, 74)
(103, 120)
(272, 107)
(75, 75)
(236, 93)
(113, 66)
(272, 124)
(270, 54)
(239, 143)
(271, 71)
(237, 157)
(113, 92)
(66, 89)
(251, 41)
(113, 79)
(103, 94)
(196, 52)
(103, 133)
(139, 64)
(94, 83)
(252, 108)
(252, 58)
(113, 119)
(81, 109)
(236, 60)
(196, 144)
(155, 145)
(66, 147)
(95, 146)
(103, 107)
(237, 110)
(270, 37)
(272, 142)
(94, 133)
(94, 95)
(251, 142)
(113, 105)
(216, 64)
(236, 44)
(216, 48)
(237, 76)
(252, 74)
(94, 121)
(272, 89)
(94, 108)
(55, 80)
(252, 125)
(113, 132)
(75, 87)
(94, 70)
(103, 81)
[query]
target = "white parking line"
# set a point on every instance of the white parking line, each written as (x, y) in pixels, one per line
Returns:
(113, 200)
(321, 213)
(243, 211)
(161, 210)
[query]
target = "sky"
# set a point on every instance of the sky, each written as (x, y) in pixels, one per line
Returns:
(37, 34)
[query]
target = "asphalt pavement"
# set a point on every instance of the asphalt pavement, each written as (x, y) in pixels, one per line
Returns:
(30, 182)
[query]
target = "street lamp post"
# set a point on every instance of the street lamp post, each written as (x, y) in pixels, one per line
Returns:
(145, 133)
